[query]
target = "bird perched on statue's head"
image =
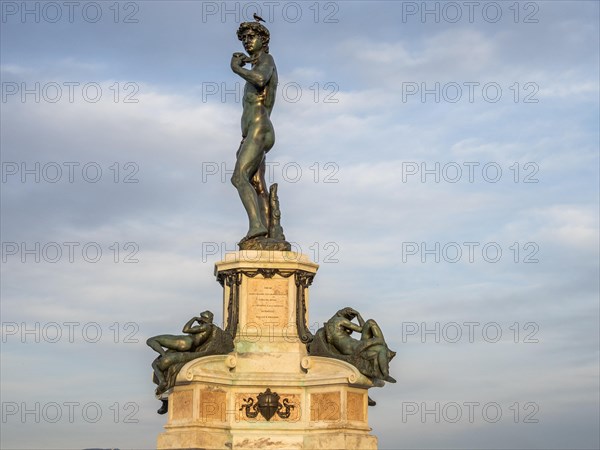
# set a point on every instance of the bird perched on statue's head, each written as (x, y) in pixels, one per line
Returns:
(258, 18)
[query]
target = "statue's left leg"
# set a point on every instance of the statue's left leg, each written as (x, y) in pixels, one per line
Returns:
(371, 330)
(249, 160)
(154, 344)
(262, 192)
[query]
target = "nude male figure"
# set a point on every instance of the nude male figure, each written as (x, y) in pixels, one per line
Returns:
(258, 135)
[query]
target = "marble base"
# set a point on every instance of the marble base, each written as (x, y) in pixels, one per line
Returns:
(265, 308)
(329, 398)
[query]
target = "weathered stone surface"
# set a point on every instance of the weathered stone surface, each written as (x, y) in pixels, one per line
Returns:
(182, 404)
(356, 405)
(213, 405)
(325, 407)
(328, 395)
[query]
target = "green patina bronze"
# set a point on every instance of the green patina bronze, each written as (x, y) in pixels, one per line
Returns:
(203, 339)
(258, 137)
(369, 354)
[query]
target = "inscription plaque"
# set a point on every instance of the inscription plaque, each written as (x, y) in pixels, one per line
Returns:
(268, 302)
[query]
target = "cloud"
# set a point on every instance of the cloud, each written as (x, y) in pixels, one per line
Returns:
(348, 200)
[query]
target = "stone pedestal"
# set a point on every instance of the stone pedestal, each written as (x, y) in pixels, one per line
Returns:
(320, 403)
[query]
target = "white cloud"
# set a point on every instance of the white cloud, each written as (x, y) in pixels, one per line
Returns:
(175, 210)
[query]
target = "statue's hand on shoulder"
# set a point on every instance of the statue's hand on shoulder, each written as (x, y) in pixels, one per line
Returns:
(238, 59)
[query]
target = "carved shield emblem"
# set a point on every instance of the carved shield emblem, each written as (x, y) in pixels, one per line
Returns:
(268, 403)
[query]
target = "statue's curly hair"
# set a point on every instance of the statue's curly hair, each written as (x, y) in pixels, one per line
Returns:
(207, 315)
(257, 27)
(346, 312)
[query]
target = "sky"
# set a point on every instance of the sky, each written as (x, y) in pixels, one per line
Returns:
(438, 160)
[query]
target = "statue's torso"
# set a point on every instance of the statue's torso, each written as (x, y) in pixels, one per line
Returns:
(258, 102)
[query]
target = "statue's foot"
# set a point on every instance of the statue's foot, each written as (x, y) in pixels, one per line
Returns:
(255, 232)
(371, 402)
(164, 408)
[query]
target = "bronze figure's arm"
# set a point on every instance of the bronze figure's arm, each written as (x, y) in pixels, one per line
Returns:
(259, 75)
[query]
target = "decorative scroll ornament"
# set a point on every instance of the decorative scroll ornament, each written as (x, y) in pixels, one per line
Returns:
(232, 279)
(303, 281)
(267, 405)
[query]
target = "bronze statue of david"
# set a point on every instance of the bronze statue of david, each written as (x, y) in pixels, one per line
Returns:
(258, 135)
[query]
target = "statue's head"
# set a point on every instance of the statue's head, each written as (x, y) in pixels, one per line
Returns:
(255, 28)
(207, 316)
(347, 312)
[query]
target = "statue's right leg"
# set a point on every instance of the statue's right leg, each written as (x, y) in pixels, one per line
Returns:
(159, 373)
(384, 365)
